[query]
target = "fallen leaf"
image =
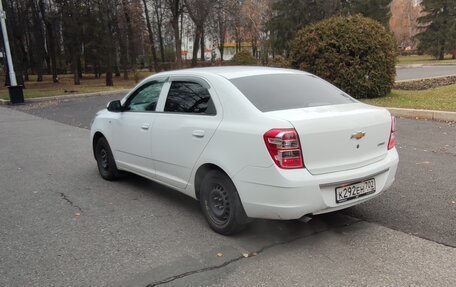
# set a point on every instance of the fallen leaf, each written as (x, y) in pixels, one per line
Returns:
(250, 254)
(219, 254)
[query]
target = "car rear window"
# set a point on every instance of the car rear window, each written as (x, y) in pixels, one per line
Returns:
(275, 92)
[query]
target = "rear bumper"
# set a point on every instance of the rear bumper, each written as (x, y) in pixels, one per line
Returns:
(275, 193)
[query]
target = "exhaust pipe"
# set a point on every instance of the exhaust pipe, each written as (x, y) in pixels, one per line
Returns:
(306, 218)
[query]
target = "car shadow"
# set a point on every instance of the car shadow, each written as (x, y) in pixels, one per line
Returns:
(267, 230)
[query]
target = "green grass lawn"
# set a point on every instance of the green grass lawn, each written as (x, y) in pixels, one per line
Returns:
(441, 98)
(65, 86)
(425, 59)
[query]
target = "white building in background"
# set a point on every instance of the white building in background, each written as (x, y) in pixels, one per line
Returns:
(211, 51)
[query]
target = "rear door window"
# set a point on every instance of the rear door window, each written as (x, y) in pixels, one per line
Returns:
(189, 97)
(289, 91)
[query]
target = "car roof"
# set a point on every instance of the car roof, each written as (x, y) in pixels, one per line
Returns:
(232, 72)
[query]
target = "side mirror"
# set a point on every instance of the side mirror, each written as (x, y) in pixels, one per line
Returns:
(115, 106)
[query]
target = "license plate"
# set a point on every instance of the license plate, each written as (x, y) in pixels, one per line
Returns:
(355, 190)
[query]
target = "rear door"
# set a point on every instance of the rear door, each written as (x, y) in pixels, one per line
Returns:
(190, 116)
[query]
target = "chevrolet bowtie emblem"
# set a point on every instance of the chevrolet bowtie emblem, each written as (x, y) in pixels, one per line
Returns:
(358, 135)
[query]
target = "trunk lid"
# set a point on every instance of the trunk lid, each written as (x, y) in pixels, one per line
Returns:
(339, 137)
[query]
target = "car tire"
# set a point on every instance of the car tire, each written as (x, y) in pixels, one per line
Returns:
(221, 205)
(105, 160)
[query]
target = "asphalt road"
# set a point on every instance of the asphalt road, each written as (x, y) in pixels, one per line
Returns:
(420, 72)
(62, 225)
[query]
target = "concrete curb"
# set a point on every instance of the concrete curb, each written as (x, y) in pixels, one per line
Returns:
(70, 96)
(405, 66)
(409, 66)
(424, 114)
(420, 79)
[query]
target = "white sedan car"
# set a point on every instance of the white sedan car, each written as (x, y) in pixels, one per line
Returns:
(249, 142)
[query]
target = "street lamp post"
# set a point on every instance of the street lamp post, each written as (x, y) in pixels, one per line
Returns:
(15, 91)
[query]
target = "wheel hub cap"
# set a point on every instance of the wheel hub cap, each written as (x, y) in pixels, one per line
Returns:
(219, 203)
(104, 158)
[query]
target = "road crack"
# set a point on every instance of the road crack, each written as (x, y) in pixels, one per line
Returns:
(226, 263)
(65, 197)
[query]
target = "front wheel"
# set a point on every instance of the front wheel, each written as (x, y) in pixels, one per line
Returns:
(221, 205)
(105, 160)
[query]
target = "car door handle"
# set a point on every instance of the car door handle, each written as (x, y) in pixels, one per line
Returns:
(198, 133)
(145, 127)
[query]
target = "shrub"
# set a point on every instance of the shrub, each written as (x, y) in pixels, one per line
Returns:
(355, 53)
(243, 58)
(280, 62)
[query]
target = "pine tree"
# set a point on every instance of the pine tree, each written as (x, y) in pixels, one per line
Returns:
(439, 22)
(375, 9)
(291, 15)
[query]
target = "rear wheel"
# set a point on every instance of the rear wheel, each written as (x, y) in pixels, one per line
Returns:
(221, 205)
(105, 160)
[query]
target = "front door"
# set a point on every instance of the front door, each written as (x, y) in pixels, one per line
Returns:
(132, 129)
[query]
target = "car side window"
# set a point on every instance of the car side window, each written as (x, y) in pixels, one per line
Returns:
(189, 97)
(145, 98)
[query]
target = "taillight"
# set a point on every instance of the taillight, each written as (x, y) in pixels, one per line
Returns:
(284, 147)
(392, 139)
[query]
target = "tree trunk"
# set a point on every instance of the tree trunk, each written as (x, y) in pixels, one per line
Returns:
(442, 53)
(131, 43)
(162, 47)
(37, 42)
(196, 42)
(96, 69)
(79, 67)
(254, 47)
(160, 33)
(175, 17)
(222, 35)
(123, 51)
(110, 52)
(109, 81)
(117, 71)
(222, 50)
(76, 78)
(177, 40)
(47, 58)
(51, 43)
(151, 37)
(202, 43)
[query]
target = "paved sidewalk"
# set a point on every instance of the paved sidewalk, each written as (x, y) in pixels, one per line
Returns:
(442, 116)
